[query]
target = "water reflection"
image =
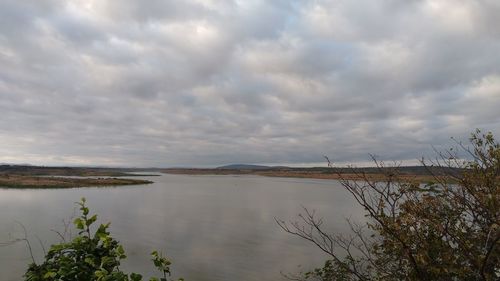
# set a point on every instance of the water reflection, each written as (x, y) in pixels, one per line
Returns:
(213, 227)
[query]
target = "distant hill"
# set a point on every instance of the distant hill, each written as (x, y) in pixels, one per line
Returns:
(243, 167)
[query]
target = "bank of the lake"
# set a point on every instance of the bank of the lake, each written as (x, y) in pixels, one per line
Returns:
(21, 181)
(307, 173)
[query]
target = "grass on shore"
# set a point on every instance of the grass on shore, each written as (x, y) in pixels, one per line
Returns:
(22, 181)
(302, 173)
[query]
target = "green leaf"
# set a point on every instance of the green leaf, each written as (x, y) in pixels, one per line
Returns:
(135, 277)
(91, 220)
(78, 222)
(49, 274)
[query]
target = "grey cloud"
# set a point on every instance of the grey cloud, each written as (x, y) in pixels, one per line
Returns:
(178, 83)
(154, 10)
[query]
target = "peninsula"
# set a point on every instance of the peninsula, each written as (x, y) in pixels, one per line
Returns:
(24, 176)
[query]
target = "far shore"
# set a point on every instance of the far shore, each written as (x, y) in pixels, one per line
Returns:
(305, 173)
(12, 176)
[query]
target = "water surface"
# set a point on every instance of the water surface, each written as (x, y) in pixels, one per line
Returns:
(212, 227)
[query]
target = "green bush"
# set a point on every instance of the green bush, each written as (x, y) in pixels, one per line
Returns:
(90, 256)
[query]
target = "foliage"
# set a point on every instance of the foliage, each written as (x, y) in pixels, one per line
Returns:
(91, 256)
(448, 229)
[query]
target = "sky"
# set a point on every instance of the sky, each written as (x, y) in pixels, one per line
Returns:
(164, 83)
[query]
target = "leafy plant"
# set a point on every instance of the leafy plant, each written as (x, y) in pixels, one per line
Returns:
(90, 256)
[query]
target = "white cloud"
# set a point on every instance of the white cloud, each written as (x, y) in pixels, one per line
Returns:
(214, 82)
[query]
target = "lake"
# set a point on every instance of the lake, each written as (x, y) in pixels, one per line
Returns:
(212, 227)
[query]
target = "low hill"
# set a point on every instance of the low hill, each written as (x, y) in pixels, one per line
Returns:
(244, 167)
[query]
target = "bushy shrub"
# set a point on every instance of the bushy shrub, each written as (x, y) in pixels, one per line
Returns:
(447, 229)
(90, 256)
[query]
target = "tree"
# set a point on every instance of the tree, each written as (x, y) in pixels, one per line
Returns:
(91, 256)
(447, 229)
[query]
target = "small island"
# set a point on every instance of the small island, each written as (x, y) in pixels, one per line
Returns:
(17, 181)
(19, 176)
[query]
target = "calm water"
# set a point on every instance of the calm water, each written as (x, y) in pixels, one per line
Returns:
(212, 227)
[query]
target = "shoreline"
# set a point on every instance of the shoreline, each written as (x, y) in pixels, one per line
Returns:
(308, 174)
(23, 181)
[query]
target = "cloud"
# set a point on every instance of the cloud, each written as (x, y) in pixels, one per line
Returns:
(195, 83)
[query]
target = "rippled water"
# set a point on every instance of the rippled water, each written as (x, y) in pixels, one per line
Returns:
(213, 227)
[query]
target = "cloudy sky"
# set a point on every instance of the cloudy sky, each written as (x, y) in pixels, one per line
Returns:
(210, 82)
